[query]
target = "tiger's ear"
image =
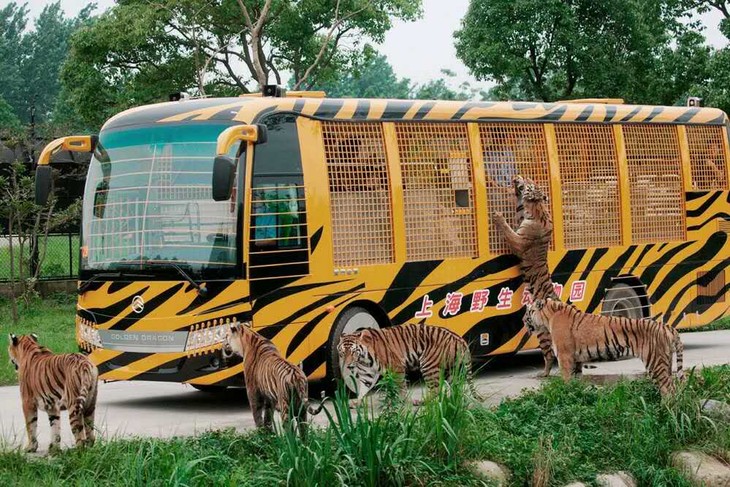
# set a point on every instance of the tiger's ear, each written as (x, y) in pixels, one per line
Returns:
(13, 339)
(34, 337)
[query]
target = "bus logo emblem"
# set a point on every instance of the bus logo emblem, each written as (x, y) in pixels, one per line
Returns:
(138, 304)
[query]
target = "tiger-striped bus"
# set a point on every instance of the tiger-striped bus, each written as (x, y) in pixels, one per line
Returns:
(309, 217)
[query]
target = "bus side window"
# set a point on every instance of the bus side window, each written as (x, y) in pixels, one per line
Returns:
(278, 240)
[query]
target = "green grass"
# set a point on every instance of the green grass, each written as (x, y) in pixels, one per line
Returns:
(570, 431)
(56, 264)
(721, 324)
(51, 319)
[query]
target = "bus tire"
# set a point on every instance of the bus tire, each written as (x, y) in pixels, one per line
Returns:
(350, 320)
(622, 300)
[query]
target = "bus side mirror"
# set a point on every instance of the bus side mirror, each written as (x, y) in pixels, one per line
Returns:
(43, 185)
(224, 172)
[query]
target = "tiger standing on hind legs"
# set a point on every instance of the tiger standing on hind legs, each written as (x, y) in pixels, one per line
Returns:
(530, 244)
(52, 383)
(587, 337)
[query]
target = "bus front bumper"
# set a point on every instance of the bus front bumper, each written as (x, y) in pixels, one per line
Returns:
(202, 368)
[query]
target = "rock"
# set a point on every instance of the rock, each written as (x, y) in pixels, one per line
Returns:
(716, 409)
(491, 471)
(702, 469)
(618, 479)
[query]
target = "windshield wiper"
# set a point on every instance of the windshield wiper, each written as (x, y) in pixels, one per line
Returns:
(202, 290)
(85, 285)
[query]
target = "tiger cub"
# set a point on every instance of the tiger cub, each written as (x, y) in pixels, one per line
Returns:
(366, 354)
(588, 337)
(272, 383)
(52, 383)
(530, 243)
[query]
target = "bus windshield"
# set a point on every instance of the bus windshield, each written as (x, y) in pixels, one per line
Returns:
(148, 201)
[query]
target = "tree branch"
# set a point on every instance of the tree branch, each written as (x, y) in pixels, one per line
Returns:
(258, 59)
(325, 42)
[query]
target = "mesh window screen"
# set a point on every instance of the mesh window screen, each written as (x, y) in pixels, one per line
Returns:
(589, 183)
(655, 181)
(511, 149)
(362, 230)
(707, 158)
(437, 190)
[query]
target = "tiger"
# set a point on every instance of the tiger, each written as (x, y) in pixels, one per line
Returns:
(530, 244)
(272, 383)
(52, 383)
(588, 337)
(366, 354)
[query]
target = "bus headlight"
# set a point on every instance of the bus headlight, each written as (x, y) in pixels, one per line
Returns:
(206, 337)
(89, 334)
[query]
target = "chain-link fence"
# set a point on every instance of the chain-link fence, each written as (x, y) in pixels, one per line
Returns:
(61, 258)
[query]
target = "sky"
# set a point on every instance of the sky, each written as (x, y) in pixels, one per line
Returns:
(417, 50)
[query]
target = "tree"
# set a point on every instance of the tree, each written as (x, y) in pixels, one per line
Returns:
(715, 89)
(13, 21)
(139, 51)
(30, 60)
(555, 49)
(371, 77)
(439, 89)
(9, 123)
(28, 226)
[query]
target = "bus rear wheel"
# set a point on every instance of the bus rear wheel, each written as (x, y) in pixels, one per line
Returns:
(350, 320)
(623, 300)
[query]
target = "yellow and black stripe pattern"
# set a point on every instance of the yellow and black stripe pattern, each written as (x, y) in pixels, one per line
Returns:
(680, 277)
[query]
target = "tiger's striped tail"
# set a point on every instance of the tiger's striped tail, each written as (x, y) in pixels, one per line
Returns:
(313, 411)
(679, 350)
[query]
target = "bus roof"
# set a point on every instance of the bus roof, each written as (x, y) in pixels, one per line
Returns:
(250, 110)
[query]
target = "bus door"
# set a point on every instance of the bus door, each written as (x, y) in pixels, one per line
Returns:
(278, 239)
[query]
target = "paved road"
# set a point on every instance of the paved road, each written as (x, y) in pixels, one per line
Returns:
(164, 410)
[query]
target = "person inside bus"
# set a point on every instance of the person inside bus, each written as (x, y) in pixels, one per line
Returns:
(500, 161)
(709, 175)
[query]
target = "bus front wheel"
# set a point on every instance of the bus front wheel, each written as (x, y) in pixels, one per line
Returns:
(623, 300)
(350, 320)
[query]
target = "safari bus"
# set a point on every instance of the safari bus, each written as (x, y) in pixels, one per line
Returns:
(307, 217)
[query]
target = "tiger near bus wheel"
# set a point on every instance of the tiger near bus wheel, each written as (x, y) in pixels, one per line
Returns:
(622, 300)
(350, 320)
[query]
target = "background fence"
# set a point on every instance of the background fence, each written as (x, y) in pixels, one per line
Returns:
(61, 261)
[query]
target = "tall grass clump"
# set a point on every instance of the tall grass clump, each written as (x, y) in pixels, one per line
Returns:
(446, 418)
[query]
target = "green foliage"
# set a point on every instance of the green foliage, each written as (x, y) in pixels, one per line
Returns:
(30, 59)
(555, 49)
(561, 433)
(138, 52)
(370, 77)
(51, 319)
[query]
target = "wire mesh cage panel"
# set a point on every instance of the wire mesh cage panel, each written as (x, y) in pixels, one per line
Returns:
(511, 149)
(589, 185)
(438, 190)
(707, 157)
(655, 181)
(362, 230)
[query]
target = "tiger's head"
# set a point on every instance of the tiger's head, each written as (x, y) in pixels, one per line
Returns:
(529, 191)
(237, 340)
(19, 346)
(351, 351)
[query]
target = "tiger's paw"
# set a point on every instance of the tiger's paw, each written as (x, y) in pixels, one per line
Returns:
(31, 448)
(354, 403)
(54, 448)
